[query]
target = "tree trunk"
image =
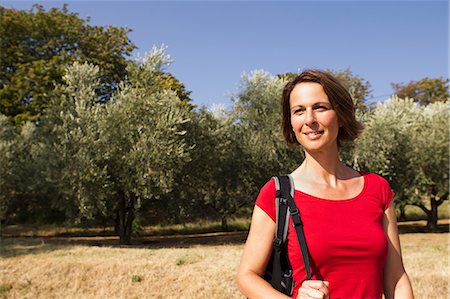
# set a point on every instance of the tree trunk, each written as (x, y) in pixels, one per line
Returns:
(2, 224)
(224, 223)
(433, 215)
(402, 216)
(124, 218)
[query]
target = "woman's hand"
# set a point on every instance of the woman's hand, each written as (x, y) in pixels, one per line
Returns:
(316, 289)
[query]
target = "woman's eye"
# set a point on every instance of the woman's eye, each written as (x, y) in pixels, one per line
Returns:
(321, 108)
(298, 111)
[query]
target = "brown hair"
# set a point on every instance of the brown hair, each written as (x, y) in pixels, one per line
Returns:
(340, 100)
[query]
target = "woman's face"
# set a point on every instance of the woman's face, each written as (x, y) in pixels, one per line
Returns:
(313, 119)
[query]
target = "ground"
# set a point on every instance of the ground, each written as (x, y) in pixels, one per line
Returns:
(64, 264)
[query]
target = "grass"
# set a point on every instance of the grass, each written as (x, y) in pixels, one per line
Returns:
(426, 259)
(35, 268)
(5, 288)
(93, 272)
(196, 262)
(136, 278)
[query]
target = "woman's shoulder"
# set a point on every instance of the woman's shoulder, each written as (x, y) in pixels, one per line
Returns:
(374, 178)
(269, 187)
(266, 198)
(380, 187)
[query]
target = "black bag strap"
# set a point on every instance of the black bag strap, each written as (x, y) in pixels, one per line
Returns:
(282, 212)
(285, 197)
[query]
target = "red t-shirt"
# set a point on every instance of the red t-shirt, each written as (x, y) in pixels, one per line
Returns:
(345, 238)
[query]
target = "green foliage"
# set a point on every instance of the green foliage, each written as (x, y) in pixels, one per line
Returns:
(4, 288)
(430, 137)
(180, 261)
(385, 145)
(36, 47)
(110, 157)
(21, 177)
(136, 278)
(223, 181)
(257, 110)
(147, 151)
(187, 259)
(149, 74)
(359, 87)
(424, 91)
(136, 227)
(7, 172)
(408, 145)
(72, 131)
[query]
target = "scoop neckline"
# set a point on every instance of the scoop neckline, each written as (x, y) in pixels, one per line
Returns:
(344, 200)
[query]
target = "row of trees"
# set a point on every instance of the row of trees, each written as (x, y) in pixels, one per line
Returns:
(112, 152)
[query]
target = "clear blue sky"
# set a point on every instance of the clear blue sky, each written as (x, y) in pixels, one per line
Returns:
(214, 42)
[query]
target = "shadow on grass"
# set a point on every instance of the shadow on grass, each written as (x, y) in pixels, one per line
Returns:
(420, 227)
(15, 246)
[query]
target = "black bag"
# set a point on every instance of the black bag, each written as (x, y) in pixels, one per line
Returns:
(279, 270)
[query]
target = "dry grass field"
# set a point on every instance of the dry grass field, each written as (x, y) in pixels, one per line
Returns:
(184, 266)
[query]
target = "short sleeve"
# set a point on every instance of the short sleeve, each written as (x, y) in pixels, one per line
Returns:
(266, 199)
(386, 193)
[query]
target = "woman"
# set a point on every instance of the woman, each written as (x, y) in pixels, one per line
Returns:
(349, 218)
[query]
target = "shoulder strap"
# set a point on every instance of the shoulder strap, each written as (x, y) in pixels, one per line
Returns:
(281, 205)
(298, 224)
(285, 198)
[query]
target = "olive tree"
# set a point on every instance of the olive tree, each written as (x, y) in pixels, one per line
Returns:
(430, 159)
(258, 111)
(385, 146)
(114, 155)
(23, 187)
(407, 144)
(8, 145)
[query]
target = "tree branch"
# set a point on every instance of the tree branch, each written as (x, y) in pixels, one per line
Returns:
(422, 206)
(442, 199)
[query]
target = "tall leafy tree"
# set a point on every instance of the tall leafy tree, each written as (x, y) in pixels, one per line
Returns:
(385, 147)
(430, 159)
(408, 145)
(37, 45)
(220, 171)
(8, 145)
(257, 109)
(115, 155)
(424, 91)
(22, 181)
(153, 76)
(235, 152)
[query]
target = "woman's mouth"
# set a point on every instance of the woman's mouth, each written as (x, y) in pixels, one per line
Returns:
(313, 134)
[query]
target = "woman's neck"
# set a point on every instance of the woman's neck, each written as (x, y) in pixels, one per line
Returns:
(324, 167)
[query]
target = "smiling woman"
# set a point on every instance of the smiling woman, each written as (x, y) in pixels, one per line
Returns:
(313, 120)
(348, 216)
(333, 94)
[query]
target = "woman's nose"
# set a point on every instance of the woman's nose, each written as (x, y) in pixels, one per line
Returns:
(310, 117)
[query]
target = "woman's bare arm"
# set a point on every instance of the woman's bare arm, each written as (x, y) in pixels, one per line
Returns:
(256, 255)
(396, 281)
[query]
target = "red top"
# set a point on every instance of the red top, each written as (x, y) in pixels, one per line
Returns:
(345, 238)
